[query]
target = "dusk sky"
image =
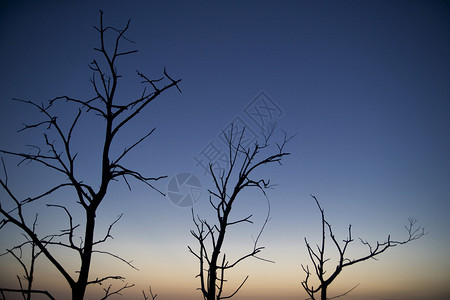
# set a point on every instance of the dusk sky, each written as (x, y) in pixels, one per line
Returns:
(363, 85)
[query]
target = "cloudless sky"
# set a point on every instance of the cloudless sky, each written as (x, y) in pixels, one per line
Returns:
(364, 85)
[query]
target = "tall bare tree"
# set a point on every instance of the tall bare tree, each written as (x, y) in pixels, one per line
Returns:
(228, 185)
(58, 154)
(318, 258)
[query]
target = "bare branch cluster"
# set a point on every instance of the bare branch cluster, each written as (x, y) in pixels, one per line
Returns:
(227, 186)
(318, 258)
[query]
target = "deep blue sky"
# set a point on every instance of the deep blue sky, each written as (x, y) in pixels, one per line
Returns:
(362, 84)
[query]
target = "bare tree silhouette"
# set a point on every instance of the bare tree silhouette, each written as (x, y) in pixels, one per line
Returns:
(228, 184)
(150, 294)
(319, 259)
(58, 154)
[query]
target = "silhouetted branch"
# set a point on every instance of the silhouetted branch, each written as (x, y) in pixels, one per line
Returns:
(129, 263)
(120, 171)
(100, 280)
(347, 292)
(108, 233)
(131, 147)
(70, 231)
(237, 290)
(109, 292)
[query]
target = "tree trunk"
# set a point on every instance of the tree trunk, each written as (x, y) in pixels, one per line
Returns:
(323, 292)
(215, 257)
(212, 283)
(79, 289)
(78, 292)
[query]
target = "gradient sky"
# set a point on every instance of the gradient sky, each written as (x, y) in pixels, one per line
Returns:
(364, 85)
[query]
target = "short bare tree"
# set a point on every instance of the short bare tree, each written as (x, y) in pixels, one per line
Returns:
(57, 153)
(153, 296)
(26, 280)
(318, 258)
(228, 184)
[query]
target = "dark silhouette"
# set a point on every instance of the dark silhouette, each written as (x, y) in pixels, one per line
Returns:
(151, 294)
(25, 293)
(58, 154)
(17, 253)
(318, 256)
(228, 184)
